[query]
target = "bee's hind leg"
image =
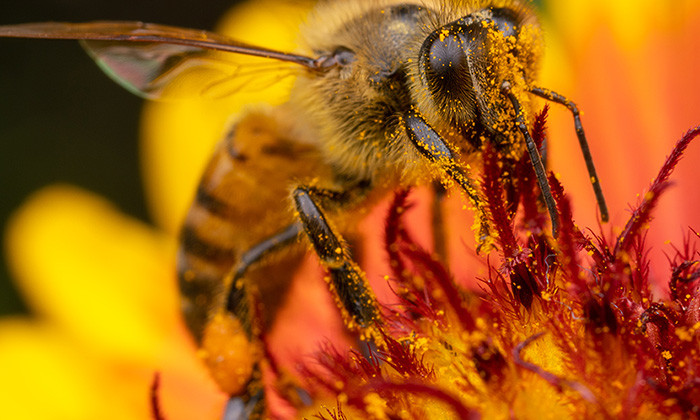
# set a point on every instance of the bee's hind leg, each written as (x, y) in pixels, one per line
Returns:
(247, 400)
(347, 281)
(275, 242)
(232, 349)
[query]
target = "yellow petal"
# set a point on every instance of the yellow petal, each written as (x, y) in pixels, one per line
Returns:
(47, 375)
(632, 21)
(44, 377)
(103, 277)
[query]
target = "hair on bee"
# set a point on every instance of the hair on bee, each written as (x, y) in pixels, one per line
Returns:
(388, 94)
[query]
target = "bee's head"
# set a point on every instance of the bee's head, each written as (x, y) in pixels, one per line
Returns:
(463, 65)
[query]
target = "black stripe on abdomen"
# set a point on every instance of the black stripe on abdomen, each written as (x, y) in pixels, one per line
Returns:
(193, 244)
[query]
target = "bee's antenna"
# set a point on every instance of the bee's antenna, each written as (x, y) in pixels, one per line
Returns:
(535, 158)
(555, 97)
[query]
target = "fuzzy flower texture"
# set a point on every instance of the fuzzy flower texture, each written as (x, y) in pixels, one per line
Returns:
(602, 321)
(568, 327)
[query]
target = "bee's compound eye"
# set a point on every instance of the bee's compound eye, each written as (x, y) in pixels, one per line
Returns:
(445, 65)
(445, 56)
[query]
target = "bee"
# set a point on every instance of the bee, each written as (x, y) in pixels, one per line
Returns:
(388, 94)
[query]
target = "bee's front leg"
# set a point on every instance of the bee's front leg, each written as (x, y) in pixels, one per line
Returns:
(433, 147)
(347, 281)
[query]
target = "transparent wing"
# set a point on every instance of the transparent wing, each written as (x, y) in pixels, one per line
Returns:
(166, 71)
(155, 61)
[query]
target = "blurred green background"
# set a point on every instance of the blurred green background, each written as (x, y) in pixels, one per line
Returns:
(62, 120)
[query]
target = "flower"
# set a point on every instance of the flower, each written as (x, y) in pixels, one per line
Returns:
(629, 67)
(545, 329)
(560, 329)
(106, 316)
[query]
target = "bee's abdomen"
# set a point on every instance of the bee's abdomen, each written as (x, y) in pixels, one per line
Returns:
(205, 257)
(242, 200)
(212, 236)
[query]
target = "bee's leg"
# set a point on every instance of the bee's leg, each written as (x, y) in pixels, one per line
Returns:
(535, 158)
(438, 222)
(232, 342)
(264, 248)
(432, 146)
(353, 294)
(239, 299)
(232, 350)
(543, 152)
(583, 144)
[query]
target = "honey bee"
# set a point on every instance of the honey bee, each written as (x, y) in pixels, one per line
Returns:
(389, 94)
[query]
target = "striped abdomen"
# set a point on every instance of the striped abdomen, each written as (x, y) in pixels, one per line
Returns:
(241, 200)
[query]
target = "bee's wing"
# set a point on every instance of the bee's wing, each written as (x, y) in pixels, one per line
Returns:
(148, 59)
(165, 71)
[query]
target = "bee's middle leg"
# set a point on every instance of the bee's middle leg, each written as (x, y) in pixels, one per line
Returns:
(347, 281)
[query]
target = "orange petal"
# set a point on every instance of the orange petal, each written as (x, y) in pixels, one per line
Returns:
(631, 69)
